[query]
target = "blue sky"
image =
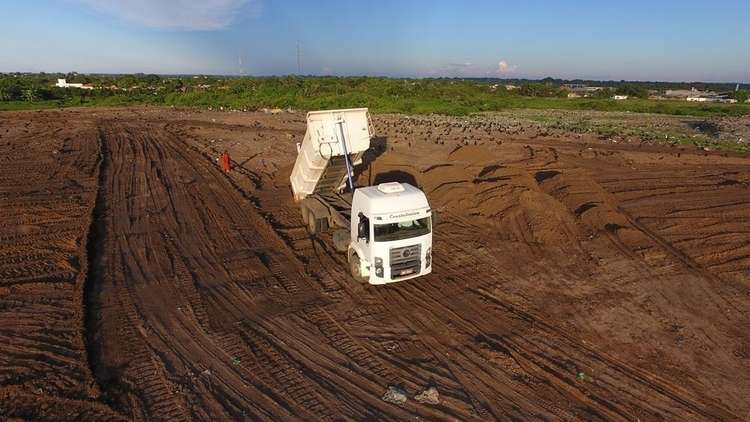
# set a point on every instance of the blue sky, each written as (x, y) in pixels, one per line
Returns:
(635, 40)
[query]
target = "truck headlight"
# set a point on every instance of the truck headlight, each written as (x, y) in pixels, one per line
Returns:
(378, 267)
(428, 257)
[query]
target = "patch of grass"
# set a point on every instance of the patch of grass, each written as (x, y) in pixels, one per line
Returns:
(25, 105)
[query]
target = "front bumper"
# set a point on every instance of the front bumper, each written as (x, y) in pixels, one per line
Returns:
(387, 271)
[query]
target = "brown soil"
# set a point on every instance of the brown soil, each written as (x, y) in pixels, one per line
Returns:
(574, 278)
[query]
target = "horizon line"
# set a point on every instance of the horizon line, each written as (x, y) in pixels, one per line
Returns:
(232, 75)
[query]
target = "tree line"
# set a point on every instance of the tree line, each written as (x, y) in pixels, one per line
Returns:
(447, 96)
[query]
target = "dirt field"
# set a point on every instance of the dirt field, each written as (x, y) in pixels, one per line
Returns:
(576, 276)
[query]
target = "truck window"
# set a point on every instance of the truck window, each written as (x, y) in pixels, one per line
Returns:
(402, 230)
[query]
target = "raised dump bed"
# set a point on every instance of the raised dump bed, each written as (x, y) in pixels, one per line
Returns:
(320, 167)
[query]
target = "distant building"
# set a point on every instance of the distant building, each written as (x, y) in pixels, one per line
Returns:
(62, 83)
(711, 99)
(680, 93)
(581, 90)
(687, 93)
(620, 97)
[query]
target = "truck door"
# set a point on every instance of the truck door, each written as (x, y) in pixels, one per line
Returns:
(364, 235)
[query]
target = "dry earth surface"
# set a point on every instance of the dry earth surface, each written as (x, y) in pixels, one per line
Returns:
(577, 276)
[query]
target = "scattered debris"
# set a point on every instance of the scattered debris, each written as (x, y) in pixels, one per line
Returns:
(394, 395)
(390, 346)
(428, 396)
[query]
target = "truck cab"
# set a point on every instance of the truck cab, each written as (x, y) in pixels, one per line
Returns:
(386, 230)
(391, 233)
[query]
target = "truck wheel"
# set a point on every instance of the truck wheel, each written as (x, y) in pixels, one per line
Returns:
(303, 211)
(341, 240)
(356, 269)
(312, 223)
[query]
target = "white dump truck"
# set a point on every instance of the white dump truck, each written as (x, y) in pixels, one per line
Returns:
(386, 230)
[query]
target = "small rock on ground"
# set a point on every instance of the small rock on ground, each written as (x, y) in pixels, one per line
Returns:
(394, 395)
(428, 396)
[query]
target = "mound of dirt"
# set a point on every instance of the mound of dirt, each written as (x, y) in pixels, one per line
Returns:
(539, 218)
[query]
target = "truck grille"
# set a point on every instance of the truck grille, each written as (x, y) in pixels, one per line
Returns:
(405, 261)
(405, 254)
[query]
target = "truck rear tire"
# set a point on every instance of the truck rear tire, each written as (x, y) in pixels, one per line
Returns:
(312, 223)
(305, 214)
(341, 240)
(356, 269)
(316, 225)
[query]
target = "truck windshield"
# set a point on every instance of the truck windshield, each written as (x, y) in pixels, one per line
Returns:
(402, 230)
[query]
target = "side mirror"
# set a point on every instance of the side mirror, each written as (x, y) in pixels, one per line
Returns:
(435, 218)
(362, 230)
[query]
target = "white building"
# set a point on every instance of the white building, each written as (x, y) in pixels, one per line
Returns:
(580, 90)
(686, 93)
(712, 99)
(62, 83)
(620, 97)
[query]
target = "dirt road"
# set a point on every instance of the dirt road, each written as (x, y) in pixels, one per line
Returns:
(574, 278)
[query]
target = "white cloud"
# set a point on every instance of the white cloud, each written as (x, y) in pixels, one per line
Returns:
(191, 15)
(505, 68)
(468, 70)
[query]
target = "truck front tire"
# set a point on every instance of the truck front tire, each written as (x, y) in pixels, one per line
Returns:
(356, 269)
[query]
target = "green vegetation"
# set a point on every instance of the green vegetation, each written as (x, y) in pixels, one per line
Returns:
(741, 96)
(672, 130)
(443, 96)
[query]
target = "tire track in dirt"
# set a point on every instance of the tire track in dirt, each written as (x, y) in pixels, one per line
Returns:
(673, 400)
(48, 184)
(143, 319)
(375, 372)
(210, 302)
(227, 351)
(482, 401)
(547, 356)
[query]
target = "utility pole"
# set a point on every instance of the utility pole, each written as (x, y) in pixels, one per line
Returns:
(242, 69)
(299, 60)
